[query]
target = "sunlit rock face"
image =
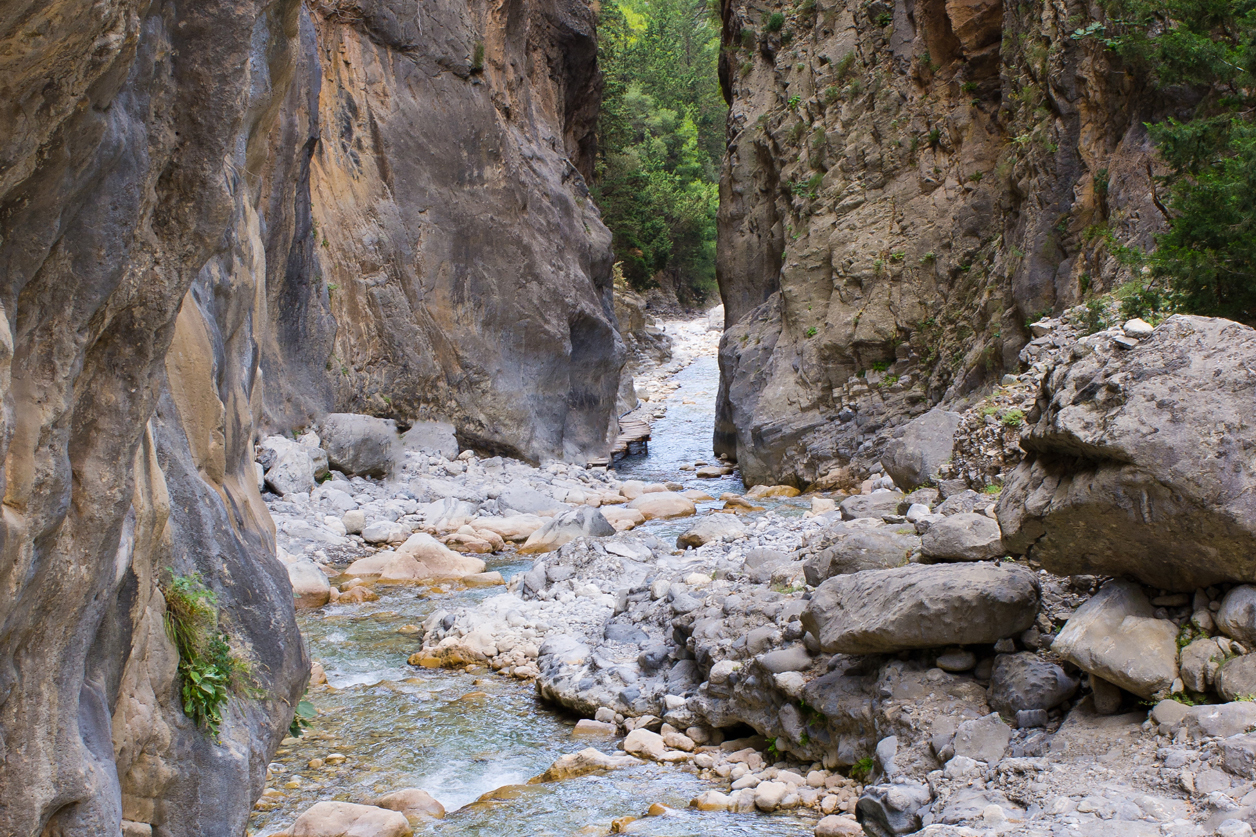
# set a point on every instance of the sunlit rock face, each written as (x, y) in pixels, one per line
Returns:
(907, 186)
(450, 262)
(241, 214)
(132, 287)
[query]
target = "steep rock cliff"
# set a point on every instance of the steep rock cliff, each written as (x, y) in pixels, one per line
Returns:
(908, 184)
(446, 261)
(381, 206)
(132, 279)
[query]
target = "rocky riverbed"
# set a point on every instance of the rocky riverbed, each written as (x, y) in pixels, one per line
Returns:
(652, 649)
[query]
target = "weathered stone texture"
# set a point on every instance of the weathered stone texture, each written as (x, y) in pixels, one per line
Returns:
(906, 186)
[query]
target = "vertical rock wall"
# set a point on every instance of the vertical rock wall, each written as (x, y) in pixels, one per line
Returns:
(131, 278)
(451, 236)
(233, 214)
(908, 184)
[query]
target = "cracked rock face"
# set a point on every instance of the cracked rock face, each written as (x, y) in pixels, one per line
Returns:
(1141, 464)
(248, 213)
(895, 208)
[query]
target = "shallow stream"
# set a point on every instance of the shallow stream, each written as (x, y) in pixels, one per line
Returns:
(460, 736)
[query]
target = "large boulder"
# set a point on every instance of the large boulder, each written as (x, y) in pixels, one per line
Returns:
(1116, 635)
(1236, 679)
(963, 537)
(359, 445)
(310, 587)
(913, 458)
(663, 504)
(1141, 464)
(890, 810)
(346, 819)
(414, 803)
(713, 527)
(1027, 681)
(432, 437)
(876, 505)
(420, 558)
(1237, 616)
(856, 550)
(921, 606)
(584, 522)
(289, 466)
(982, 739)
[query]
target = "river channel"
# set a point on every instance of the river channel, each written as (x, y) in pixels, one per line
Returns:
(461, 736)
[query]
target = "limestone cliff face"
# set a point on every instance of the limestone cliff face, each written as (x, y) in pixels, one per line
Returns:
(232, 215)
(131, 279)
(907, 185)
(448, 262)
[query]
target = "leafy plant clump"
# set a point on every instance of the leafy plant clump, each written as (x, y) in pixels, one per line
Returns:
(1013, 418)
(862, 769)
(301, 720)
(209, 672)
(775, 22)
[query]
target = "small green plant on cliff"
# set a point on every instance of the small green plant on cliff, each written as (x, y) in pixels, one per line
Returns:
(1013, 418)
(477, 57)
(811, 332)
(862, 769)
(843, 66)
(993, 489)
(775, 22)
(772, 753)
(1095, 317)
(794, 102)
(209, 673)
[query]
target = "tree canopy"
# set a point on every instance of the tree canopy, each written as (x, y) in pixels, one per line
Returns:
(661, 139)
(1206, 261)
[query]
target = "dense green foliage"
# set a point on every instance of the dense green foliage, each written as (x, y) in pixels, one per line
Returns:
(661, 137)
(209, 673)
(1206, 262)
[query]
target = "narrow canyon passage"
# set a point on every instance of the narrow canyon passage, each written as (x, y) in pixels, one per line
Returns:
(473, 738)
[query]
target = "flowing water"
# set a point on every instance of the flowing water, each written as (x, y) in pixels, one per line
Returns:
(462, 735)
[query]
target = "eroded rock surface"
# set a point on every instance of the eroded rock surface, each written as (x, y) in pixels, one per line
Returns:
(1141, 464)
(896, 206)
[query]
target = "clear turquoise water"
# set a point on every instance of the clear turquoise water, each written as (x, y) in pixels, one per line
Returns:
(459, 736)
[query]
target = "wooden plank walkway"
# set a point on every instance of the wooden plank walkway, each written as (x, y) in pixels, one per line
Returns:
(634, 438)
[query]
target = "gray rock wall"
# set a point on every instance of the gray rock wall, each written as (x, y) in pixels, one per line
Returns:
(130, 242)
(235, 214)
(441, 257)
(907, 185)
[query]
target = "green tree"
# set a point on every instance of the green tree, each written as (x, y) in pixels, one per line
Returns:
(1207, 258)
(661, 137)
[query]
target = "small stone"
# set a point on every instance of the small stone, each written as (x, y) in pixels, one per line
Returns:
(839, 826)
(768, 796)
(586, 727)
(1137, 328)
(1107, 696)
(1030, 718)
